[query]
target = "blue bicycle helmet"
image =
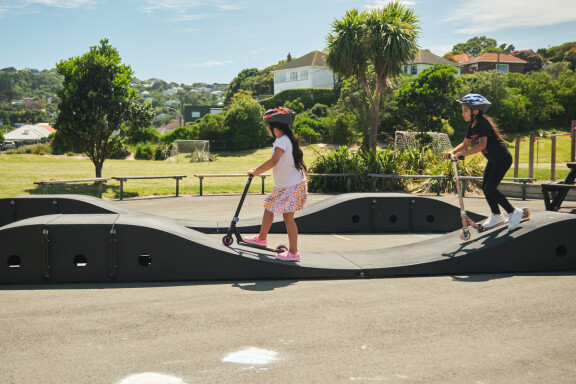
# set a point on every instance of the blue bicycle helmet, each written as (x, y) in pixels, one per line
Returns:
(475, 101)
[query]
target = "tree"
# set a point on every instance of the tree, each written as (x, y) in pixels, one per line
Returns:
(239, 83)
(244, 126)
(98, 108)
(534, 60)
(430, 97)
(477, 45)
(382, 39)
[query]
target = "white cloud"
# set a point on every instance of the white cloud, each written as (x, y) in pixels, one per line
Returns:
(185, 5)
(383, 3)
(209, 64)
(64, 3)
(494, 15)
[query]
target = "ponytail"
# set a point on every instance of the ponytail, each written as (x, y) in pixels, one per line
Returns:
(491, 123)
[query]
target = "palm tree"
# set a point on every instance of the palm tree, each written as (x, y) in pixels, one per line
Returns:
(383, 39)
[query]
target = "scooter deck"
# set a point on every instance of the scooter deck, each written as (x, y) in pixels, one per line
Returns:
(482, 228)
(278, 249)
(526, 217)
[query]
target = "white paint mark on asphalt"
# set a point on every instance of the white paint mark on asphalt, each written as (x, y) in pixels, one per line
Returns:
(151, 378)
(251, 356)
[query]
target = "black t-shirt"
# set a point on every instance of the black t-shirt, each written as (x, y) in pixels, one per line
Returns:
(495, 148)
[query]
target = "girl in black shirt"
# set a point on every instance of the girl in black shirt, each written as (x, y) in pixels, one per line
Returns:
(485, 136)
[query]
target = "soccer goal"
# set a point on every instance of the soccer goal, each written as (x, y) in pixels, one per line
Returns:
(406, 139)
(190, 151)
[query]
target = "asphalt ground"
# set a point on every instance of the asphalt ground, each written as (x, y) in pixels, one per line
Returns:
(480, 329)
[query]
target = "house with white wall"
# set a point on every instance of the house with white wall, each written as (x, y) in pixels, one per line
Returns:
(308, 71)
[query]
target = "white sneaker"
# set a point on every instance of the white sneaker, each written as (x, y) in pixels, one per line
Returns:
(514, 219)
(493, 220)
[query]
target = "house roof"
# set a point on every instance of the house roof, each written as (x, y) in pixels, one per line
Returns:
(462, 58)
(312, 59)
(30, 132)
(47, 127)
(424, 56)
(169, 127)
(492, 57)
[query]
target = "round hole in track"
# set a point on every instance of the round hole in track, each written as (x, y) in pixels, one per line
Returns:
(430, 218)
(393, 219)
(561, 251)
(14, 261)
(80, 261)
(144, 260)
(355, 219)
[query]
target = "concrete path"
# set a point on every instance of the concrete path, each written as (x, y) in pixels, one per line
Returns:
(476, 329)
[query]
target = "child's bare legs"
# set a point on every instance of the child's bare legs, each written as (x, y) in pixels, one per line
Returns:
(292, 231)
(267, 220)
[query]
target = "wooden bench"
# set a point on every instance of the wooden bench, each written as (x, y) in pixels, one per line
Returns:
(375, 176)
(523, 180)
(202, 176)
(123, 179)
(96, 180)
(555, 192)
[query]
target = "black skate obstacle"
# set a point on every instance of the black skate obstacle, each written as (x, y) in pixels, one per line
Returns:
(72, 239)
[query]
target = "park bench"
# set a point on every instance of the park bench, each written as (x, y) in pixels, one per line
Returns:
(96, 180)
(263, 177)
(555, 192)
(202, 176)
(123, 179)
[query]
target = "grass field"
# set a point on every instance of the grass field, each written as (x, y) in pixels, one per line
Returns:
(18, 172)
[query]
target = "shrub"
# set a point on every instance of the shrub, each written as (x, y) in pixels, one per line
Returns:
(390, 161)
(144, 151)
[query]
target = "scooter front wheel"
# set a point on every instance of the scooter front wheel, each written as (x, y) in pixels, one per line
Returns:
(227, 240)
(465, 234)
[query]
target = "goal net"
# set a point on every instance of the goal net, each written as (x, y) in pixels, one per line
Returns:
(440, 142)
(190, 150)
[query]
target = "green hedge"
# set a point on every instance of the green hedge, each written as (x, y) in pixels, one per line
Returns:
(309, 97)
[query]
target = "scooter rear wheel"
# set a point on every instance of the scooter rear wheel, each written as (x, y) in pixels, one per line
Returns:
(465, 235)
(525, 213)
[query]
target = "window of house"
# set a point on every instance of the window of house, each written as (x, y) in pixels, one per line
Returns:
(304, 75)
(413, 70)
(503, 68)
(405, 68)
(280, 77)
(293, 76)
(195, 114)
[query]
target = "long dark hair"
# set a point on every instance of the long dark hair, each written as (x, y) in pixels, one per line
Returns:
(490, 122)
(297, 153)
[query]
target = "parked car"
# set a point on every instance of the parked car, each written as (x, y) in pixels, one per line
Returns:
(8, 145)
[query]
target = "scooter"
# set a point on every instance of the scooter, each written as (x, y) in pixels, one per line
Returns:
(233, 230)
(465, 234)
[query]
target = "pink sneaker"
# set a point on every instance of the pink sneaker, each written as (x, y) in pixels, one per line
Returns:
(255, 240)
(287, 256)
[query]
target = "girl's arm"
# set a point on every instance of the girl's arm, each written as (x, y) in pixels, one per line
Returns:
(463, 145)
(269, 164)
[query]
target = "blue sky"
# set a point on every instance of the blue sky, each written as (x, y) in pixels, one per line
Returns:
(187, 41)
